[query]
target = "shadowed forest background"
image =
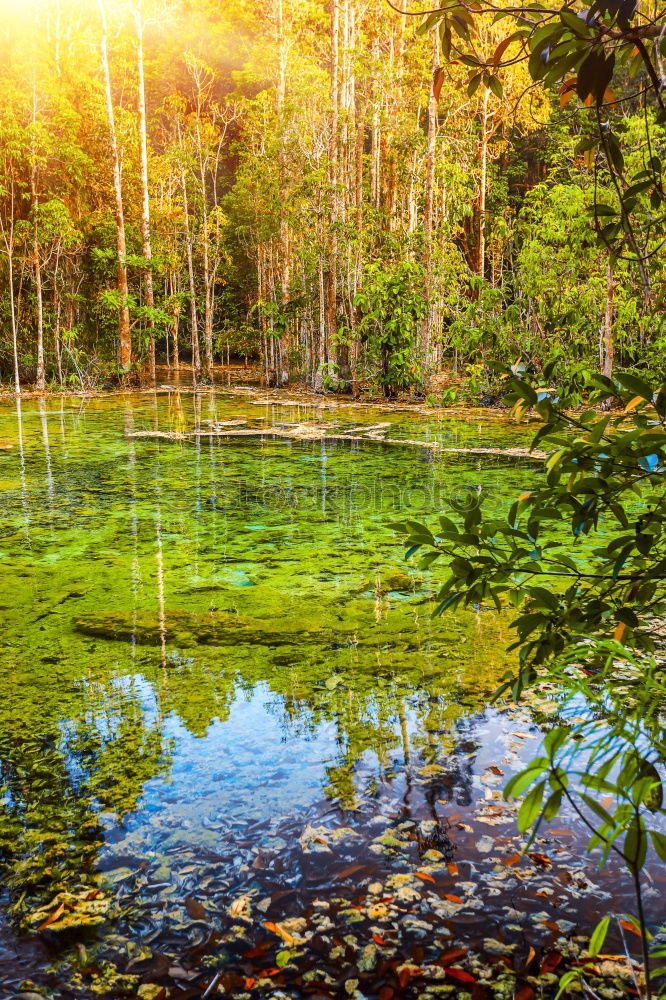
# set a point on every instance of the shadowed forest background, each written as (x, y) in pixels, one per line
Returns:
(314, 188)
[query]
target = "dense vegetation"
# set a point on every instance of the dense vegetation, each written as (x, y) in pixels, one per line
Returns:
(329, 188)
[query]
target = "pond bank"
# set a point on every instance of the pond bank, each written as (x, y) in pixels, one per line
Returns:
(238, 379)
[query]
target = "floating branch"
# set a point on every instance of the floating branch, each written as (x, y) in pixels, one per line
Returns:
(323, 432)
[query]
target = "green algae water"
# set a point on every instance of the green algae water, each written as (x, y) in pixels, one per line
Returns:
(223, 697)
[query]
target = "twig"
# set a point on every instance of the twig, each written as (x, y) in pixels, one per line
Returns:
(629, 958)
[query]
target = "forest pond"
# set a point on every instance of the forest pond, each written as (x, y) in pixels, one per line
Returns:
(238, 756)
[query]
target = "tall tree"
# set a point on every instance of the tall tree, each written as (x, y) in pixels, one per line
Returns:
(124, 333)
(140, 24)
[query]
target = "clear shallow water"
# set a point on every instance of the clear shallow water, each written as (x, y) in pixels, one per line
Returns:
(209, 647)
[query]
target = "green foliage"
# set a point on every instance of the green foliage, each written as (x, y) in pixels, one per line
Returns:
(590, 601)
(392, 308)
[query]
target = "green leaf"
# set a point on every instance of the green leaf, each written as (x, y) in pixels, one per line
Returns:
(565, 982)
(599, 936)
(473, 84)
(531, 807)
(635, 385)
(659, 842)
(635, 845)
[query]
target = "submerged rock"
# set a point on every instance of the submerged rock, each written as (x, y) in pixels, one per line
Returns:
(180, 628)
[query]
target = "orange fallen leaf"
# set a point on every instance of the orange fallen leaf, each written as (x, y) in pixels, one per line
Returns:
(628, 926)
(460, 975)
(453, 899)
(52, 917)
(541, 859)
(257, 952)
(550, 962)
(424, 877)
(531, 955)
(513, 859)
(410, 972)
(452, 868)
(450, 956)
(527, 993)
(378, 940)
(249, 983)
(351, 870)
(288, 938)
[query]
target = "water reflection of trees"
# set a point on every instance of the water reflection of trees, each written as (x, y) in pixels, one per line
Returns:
(64, 784)
(393, 691)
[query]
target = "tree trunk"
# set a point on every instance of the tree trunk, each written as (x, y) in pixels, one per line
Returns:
(428, 221)
(481, 250)
(40, 382)
(57, 305)
(375, 146)
(196, 360)
(176, 307)
(9, 244)
(332, 299)
(358, 264)
(282, 377)
(145, 202)
(124, 335)
(607, 329)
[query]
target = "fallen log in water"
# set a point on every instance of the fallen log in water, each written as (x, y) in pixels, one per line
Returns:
(323, 432)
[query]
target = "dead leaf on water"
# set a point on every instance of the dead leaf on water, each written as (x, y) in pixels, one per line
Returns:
(196, 910)
(240, 906)
(424, 876)
(550, 962)
(527, 993)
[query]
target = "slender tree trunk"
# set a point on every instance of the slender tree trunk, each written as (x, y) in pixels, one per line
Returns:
(124, 335)
(176, 320)
(375, 146)
(207, 279)
(323, 346)
(428, 221)
(9, 246)
(283, 375)
(358, 264)
(145, 200)
(332, 300)
(607, 329)
(196, 360)
(57, 304)
(40, 383)
(483, 184)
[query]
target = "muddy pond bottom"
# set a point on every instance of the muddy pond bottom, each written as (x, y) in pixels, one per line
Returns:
(237, 755)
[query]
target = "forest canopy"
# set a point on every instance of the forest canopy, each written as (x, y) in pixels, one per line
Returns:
(331, 190)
